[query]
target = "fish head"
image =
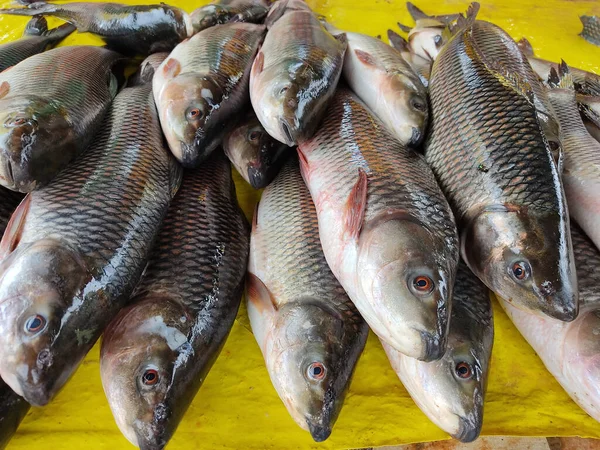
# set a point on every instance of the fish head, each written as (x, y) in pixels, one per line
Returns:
(186, 110)
(36, 141)
(426, 39)
(307, 366)
(40, 290)
(209, 15)
(525, 257)
(139, 355)
(409, 277)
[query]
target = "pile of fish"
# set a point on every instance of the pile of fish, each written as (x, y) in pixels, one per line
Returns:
(402, 184)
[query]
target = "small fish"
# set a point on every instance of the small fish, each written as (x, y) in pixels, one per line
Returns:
(451, 391)
(223, 11)
(571, 351)
(51, 105)
(37, 38)
(387, 231)
(591, 29)
(420, 65)
(295, 72)
(157, 352)
(309, 332)
(253, 152)
(581, 173)
(12, 411)
(202, 85)
(75, 249)
(128, 29)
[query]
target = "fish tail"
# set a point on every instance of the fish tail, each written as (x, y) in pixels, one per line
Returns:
(561, 79)
(59, 33)
(37, 26)
(33, 9)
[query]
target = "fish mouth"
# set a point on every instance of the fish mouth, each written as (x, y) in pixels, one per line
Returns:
(319, 432)
(415, 138)
(189, 155)
(435, 346)
(468, 429)
(258, 179)
(155, 435)
(287, 132)
(35, 395)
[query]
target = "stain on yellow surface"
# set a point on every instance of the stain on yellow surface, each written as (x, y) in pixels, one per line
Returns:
(237, 406)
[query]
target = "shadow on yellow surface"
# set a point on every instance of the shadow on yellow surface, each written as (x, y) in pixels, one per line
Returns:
(237, 406)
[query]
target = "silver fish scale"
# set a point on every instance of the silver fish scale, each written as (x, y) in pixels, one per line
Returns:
(587, 261)
(486, 146)
(471, 301)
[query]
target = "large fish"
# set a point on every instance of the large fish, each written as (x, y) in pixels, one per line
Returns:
(75, 249)
(224, 11)
(295, 72)
(490, 154)
(451, 391)
(129, 29)
(253, 152)
(12, 411)
(157, 352)
(202, 85)
(591, 29)
(310, 333)
(571, 351)
(36, 39)
(51, 105)
(387, 231)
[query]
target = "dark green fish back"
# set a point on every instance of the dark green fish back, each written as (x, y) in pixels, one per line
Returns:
(587, 262)
(12, 410)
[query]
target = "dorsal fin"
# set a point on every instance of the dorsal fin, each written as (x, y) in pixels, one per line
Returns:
(404, 28)
(525, 47)
(464, 22)
(415, 12)
(397, 41)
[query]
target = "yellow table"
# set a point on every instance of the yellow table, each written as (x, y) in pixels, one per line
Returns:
(237, 406)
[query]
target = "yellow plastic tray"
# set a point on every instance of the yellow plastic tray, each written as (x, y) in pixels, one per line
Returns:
(237, 406)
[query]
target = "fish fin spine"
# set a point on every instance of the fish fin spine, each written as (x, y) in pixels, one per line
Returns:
(14, 229)
(259, 295)
(356, 205)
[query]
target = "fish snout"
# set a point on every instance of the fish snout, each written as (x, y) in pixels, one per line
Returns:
(189, 155)
(415, 138)
(434, 346)
(468, 429)
(154, 434)
(258, 178)
(562, 305)
(318, 431)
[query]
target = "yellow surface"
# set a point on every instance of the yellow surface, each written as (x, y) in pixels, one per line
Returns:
(238, 408)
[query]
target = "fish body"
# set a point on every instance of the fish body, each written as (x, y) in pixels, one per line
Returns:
(157, 352)
(295, 72)
(51, 105)
(493, 160)
(202, 85)
(387, 231)
(591, 29)
(36, 39)
(309, 332)
(129, 29)
(224, 11)
(12, 411)
(451, 391)
(75, 249)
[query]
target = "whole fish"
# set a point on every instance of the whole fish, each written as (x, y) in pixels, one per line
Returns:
(147, 69)
(387, 231)
(224, 11)
(570, 350)
(129, 29)
(381, 78)
(451, 391)
(157, 352)
(75, 249)
(202, 85)
(295, 72)
(420, 65)
(37, 38)
(309, 332)
(493, 161)
(591, 29)
(51, 105)
(12, 411)
(253, 152)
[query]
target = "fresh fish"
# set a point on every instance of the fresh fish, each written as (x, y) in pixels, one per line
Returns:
(157, 352)
(75, 249)
(202, 85)
(381, 78)
(581, 173)
(570, 350)
(224, 11)
(591, 29)
(36, 39)
(147, 69)
(420, 65)
(295, 72)
(489, 152)
(426, 38)
(129, 29)
(309, 332)
(451, 391)
(387, 231)
(12, 411)
(253, 152)
(51, 105)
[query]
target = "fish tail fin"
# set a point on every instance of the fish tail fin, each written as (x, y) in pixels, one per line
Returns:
(33, 9)
(59, 33)
(404, 28)
(525, 47)
(37, 26)
(415, 12)
(397, 41)
(561, 79)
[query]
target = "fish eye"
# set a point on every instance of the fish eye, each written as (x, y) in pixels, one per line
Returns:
(150, 377)
(284, 90)
(437, 40)
(19, 121)
(194, 114)
(520, 270)
(35, 324)
(422, 284)
(553, 145)
(254, 136)
(464, 370)
(418, 104)
(316, 371)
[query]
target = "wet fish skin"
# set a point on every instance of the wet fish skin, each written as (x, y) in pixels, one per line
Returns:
(182, 310)
(128, 29)
(591, 29)
(223, 11)
(253, 152)
(51, 105)
(12, 411)
(300, 315)
(202, 85)
(501, 179)
(385, 227)
(295, 72)
(36, 39)
(75, 249)
(451, 391)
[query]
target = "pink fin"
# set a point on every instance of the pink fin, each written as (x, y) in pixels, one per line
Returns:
(172, 67)
(366, 58)
(259, 295)
(356, 205)
(259, 64)
(303, 160)
(14, 229)
(4, 89)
